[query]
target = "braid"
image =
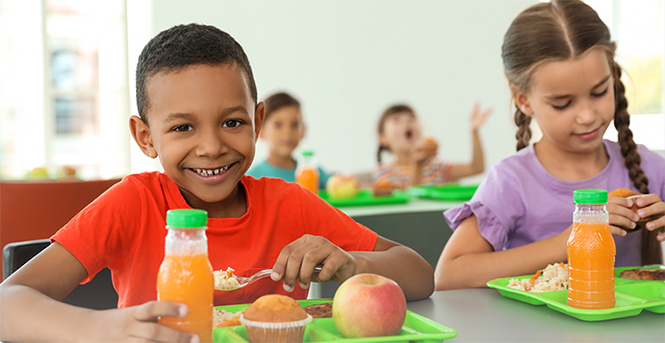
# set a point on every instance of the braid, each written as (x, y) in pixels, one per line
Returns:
(523, 134)
(651, 249)
(378, 153)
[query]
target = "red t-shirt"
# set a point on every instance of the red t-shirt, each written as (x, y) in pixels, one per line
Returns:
(124, 230)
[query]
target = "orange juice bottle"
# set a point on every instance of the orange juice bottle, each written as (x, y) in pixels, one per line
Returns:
(185, 275)
(307, 174)
(591, 252)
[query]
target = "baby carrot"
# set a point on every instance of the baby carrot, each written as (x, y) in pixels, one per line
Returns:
(532, 280)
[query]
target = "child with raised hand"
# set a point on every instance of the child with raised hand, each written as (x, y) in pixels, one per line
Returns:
(559, 61)
(199, 115)
(415, 159)
(282, 130)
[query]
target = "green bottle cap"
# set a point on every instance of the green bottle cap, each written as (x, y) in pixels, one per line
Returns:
(308, 153)
(590, 196)
(186, 218)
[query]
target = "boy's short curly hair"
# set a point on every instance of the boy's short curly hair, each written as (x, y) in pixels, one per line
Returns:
(187, 45)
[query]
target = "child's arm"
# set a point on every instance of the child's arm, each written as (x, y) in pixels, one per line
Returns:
(477, 165)
(31, 310)
(468, 260)
(298, 259)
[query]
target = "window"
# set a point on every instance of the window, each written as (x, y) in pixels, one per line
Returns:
(638, 29)
(69, 112)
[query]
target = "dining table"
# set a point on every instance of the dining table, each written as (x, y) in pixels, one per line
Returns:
(484, 315)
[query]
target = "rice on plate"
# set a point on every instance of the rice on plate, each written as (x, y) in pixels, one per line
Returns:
(554, 278)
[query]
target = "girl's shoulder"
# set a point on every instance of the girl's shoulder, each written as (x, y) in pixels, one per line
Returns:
(522, 161)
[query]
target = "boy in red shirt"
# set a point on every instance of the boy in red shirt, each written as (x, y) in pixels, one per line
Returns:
(200, 116)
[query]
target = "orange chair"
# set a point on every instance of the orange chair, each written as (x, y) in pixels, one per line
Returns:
(36, 210)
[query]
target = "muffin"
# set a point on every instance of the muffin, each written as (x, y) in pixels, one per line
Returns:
(275, 318)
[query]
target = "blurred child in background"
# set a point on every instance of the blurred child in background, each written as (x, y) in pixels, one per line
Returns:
(559, 61)
(282, 130)
(415, 160)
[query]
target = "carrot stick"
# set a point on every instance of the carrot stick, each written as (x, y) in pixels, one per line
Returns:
(532, 280)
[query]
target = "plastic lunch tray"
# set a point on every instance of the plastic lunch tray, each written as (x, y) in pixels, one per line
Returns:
(632, 296)
(365, 197)
(448, 191)
(416, 329)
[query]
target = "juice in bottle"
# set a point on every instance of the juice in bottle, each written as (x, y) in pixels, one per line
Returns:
(591, 253)
(307, 174)
(186, 275)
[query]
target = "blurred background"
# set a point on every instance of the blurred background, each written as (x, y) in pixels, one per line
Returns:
(67, 74)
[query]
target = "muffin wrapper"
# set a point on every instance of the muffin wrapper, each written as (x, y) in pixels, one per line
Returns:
(263, 332)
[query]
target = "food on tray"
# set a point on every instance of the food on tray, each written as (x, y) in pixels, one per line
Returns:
(225, 279)
(382, 187)
(627, 193)
(275, 318)
(643, 274)
(554, 278)
(320, 310)
(342, 186)
(222, 318)
(369, 305)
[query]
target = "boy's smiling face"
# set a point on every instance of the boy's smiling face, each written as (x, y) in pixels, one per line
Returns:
(203, 126)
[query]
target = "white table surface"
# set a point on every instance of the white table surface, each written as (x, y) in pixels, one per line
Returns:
(414, 205)
(484, 315)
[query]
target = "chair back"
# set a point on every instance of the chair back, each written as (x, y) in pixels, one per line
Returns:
(31, 210)
(97, 294)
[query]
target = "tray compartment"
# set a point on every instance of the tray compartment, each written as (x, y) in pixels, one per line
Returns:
(632, 297)
(416, 328)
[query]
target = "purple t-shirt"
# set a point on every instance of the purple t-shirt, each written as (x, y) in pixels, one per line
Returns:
(519, 202)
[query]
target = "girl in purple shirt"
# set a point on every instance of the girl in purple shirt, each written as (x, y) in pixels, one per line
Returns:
(559, 61)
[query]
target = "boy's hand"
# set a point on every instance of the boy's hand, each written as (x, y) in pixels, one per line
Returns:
(297, 260)
(139, 324)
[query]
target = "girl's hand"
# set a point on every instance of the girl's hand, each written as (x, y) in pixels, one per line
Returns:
(297, 260)
(139, 324)
(652, 206)
(421, 156)
(424, 150)
(622, 217)
(478, 117)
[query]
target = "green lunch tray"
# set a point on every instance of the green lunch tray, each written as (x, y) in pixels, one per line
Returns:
(416, 329)
(448, 191)
(632, 296)
(365, 197)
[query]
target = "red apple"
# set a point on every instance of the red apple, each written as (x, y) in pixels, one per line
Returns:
(369, 305)
(342, 186)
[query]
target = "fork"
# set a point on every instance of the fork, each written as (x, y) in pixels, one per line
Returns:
(244, 281)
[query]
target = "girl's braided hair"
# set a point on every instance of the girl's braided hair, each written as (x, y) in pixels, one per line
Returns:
(558, 31)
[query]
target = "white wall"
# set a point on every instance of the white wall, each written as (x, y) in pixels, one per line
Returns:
(349, 60)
